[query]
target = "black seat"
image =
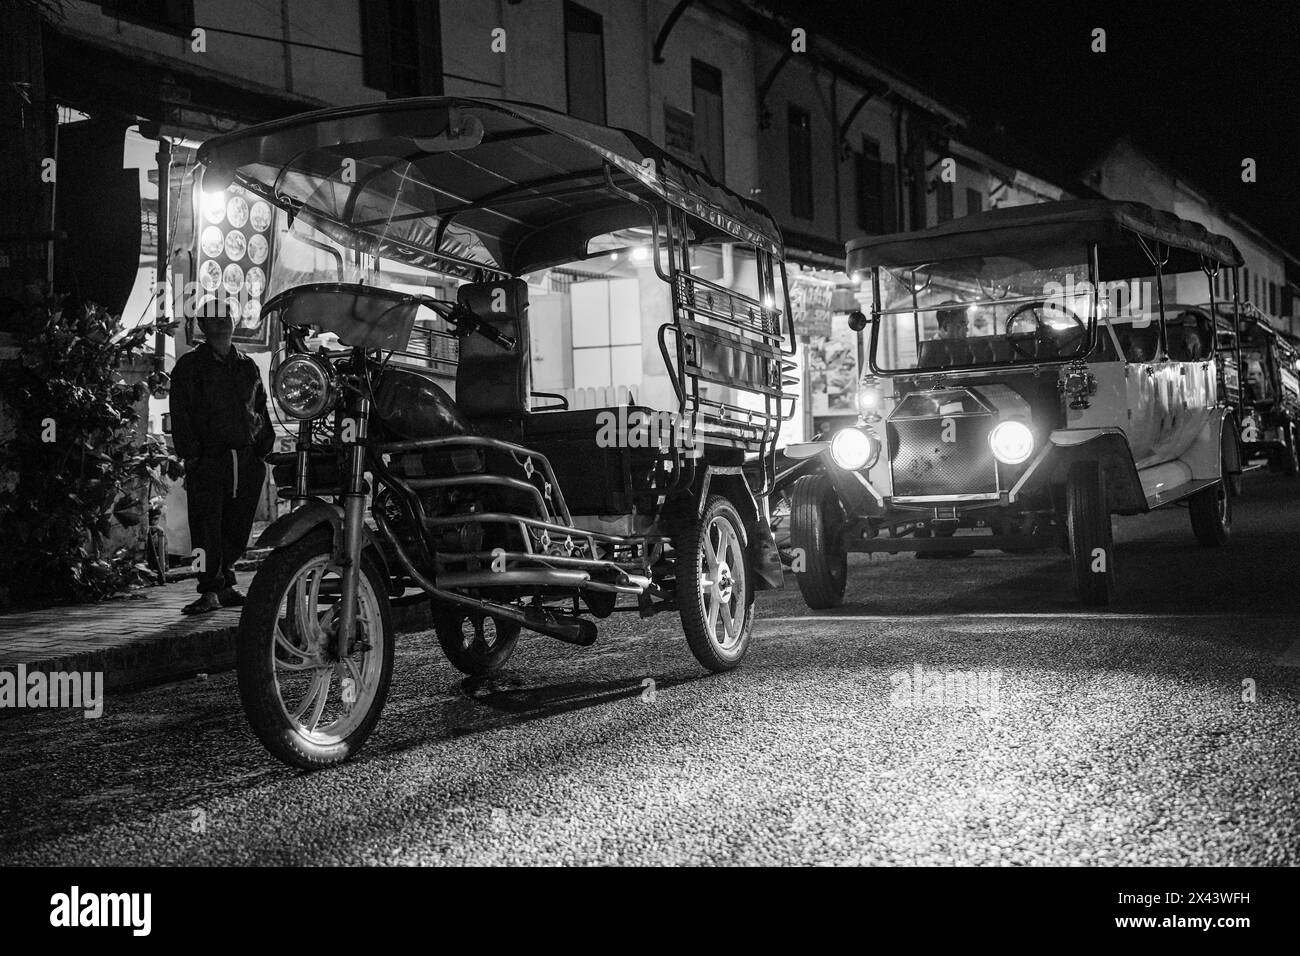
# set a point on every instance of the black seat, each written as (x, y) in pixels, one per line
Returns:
(492, 382)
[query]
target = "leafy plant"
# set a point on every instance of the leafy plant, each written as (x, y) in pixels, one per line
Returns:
(71, 466)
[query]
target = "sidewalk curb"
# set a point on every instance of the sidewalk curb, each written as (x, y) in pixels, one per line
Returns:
(164, 656)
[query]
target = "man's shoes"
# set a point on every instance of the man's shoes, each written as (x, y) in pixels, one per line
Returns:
(229, 597)
(206, 604)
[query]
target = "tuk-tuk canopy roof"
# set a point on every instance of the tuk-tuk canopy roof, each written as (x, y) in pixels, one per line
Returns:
(1015, 229)
(515, 186)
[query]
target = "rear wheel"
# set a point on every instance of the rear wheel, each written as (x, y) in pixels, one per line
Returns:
(1092, 552)
(1211, 513)
(817, 536)
(713, 589)
(1288, 455)
(475, 644)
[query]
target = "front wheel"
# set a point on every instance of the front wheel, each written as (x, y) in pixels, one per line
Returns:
(1092, 552)
(817, 537)
(310, 708)
(475, 644)
(713, 592)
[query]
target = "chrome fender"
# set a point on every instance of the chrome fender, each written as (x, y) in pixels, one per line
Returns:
(1106, 445)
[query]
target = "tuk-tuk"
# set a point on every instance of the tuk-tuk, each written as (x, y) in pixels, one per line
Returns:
(434, 258)
(1270, 382)
(1030, 376)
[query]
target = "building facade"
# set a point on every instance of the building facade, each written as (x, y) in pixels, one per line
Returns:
(120, 93)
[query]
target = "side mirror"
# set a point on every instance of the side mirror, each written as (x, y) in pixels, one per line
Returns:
(857, 321)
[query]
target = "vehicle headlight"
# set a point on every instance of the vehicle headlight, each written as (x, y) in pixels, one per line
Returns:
(304, 386)
(852, 449)
(1012, 442)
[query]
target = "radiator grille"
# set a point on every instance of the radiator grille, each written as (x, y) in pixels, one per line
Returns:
(924, 464)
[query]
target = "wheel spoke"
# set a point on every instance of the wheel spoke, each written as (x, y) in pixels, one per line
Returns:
(712, 604)
(728, 625)
(284, 644)
(727, 544)
(710, 552)
(317, 692)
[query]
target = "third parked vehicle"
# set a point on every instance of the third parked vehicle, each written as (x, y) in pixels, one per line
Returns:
(1030, 376)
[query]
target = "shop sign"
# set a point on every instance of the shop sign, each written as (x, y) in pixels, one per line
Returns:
(810, 303)
(234, 258)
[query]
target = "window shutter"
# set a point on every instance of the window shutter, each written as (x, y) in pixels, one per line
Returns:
(377, 68)
(889, 197)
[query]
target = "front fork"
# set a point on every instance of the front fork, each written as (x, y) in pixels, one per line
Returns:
(354, 510)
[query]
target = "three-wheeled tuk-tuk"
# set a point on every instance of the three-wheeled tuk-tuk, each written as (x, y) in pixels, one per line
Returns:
(1031, 375)
(434, 259)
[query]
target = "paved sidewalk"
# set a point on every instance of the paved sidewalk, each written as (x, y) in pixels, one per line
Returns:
(138, 638)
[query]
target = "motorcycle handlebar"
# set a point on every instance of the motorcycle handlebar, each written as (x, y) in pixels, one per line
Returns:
(461, 315)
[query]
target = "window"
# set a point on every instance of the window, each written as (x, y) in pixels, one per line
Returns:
(706, 103)
(871, 188)
(1272, 298)
(584, 63)
(606, 331)
(800, 152)
(974, 201)
(1245, 283)
(401, 47)
(943, 200)
(164, 14)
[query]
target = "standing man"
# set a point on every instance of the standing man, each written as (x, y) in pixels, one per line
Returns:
(222, 431)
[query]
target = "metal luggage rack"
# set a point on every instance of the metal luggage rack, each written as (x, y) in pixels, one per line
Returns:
(702, 297)
(549, 538)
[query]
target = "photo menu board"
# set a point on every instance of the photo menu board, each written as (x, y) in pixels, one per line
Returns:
(234, 258)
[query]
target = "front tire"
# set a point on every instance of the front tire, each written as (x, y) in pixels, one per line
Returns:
(713, 590)
(475, 644)
(817, 535)
(1092, 552)
(287, 664)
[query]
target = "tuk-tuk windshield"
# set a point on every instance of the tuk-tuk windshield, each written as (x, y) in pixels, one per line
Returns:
(983, 310)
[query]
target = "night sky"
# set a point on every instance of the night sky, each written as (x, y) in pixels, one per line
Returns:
(1201, 85)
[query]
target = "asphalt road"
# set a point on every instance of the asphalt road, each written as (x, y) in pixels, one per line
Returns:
(1100, 738)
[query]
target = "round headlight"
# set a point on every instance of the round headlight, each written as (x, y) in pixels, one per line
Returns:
(852, 448)
(304, 387)
(1012, 442)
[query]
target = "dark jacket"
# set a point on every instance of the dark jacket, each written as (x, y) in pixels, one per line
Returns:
(218, 405)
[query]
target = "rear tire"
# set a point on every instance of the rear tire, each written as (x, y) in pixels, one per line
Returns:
(475, 644)
(1092, 551)
(1288, 454)
(817, 534)
(714, 596)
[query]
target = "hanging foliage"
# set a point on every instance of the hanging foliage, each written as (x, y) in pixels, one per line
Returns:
(72, 466)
